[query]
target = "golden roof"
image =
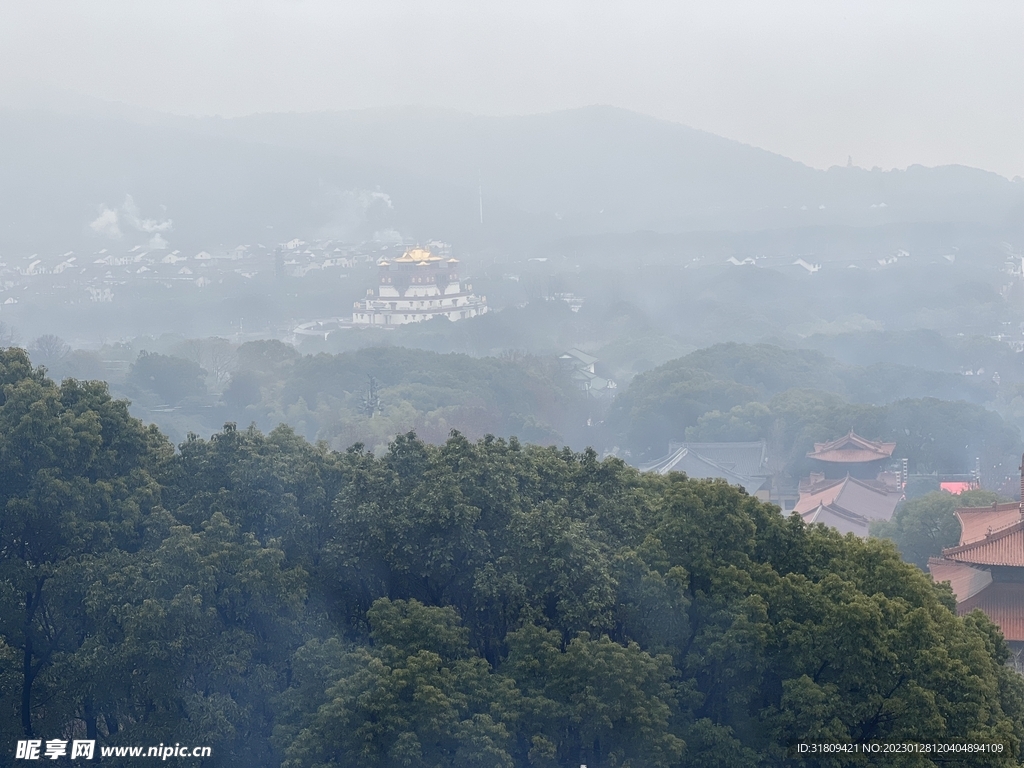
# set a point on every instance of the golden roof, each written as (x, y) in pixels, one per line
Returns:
(417, 255)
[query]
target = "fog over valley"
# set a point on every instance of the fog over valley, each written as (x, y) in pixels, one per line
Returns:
(450, 385)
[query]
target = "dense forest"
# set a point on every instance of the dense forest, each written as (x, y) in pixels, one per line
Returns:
(486, 603)
(793, 398)
(942, 421)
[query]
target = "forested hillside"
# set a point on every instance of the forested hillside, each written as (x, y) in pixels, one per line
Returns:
(792, 398)
(942, 420)
(482, 603)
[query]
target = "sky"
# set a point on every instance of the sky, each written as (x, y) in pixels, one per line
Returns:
(885, 84)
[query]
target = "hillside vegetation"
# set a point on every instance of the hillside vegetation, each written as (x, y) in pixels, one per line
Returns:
(793, 398)
(481, 603)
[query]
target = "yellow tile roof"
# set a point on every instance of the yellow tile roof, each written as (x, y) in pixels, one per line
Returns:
(417, 255)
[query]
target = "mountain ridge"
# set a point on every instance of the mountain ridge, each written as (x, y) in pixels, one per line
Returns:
(584, 171)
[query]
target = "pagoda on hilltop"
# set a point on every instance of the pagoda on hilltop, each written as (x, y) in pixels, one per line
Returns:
(986, 569)
(851, 488)
(417, 286)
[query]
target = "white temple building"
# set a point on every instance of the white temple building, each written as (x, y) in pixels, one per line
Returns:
(417, 286)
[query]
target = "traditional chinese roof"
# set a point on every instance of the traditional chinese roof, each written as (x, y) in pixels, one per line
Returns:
(871, 501)
(989, 537)
(836, 517)
(966, 580)
(701, 467)
(1003, 602)
(977, 522)
(1004, 546)
(748, 459)
(851, 449)
(956, 487)
(417, 255)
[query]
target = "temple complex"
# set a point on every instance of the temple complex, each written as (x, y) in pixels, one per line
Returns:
(417, 286)
(986, 568)
(852, 487)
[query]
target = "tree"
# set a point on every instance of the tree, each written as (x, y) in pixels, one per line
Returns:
(469, 604)
(8, 335)
(77, 487)
(795, 629)
(50, 350)
(417, 697)
(243, 390)
(214, 354)
(191, 641)
(172, 378)
(593, 702)
(921, 528)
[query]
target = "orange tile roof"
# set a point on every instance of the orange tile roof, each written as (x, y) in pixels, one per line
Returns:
(1003, 602)
(818, 494)
(1001, 547)
(850, 494)
(956, 487)
(977, 522)
(851, 449)
(965, 580)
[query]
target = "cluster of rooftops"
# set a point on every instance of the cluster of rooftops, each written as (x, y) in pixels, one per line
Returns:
(849, 490)
(986, 568)
(852, 488)
(419, 256)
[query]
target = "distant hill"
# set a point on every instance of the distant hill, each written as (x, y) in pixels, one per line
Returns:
(347, 174)
(608, 169)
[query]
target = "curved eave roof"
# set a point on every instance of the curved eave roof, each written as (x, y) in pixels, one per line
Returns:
(1003, 602)
(978, 522)
(1002, 547)
(851, 448)
(416, 255)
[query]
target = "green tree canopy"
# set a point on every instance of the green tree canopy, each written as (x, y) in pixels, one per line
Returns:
(172, 378)
(481, 603)
(923, 527)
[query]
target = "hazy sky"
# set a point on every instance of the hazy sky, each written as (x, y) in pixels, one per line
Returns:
(889, 83)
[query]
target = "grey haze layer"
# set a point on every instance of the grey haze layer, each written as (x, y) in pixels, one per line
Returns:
(427, 174)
